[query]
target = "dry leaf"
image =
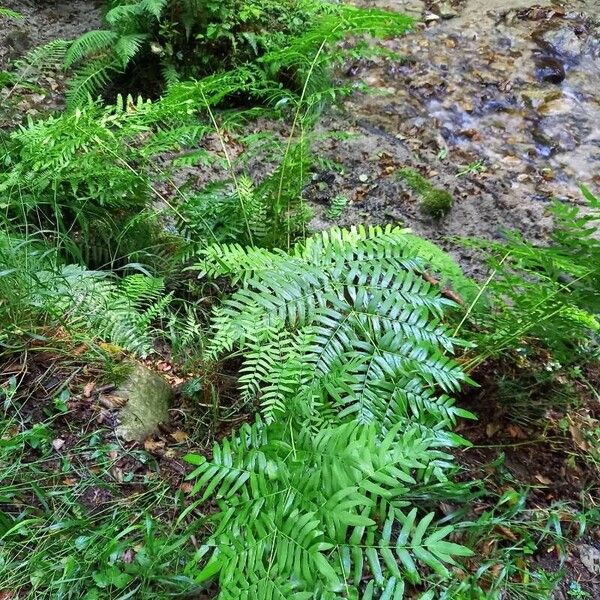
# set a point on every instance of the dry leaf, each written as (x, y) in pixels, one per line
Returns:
(58, 443)
(516, 432)
(111, 401)
(506, 532)
(543, 479)
(578, 437)
(492, 429)
(186, 487)
(6, 595)
(70, 481)
(153, 445)
(117, 474)
(88, 389)
(179, 436)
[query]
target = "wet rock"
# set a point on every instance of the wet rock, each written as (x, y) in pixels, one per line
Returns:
(564, 42)
(535, 97)
(446, 11)
(556, 106)
(550, 69)
(147, 397)
(590, 557)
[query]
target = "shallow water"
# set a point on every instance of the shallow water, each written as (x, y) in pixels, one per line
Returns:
(471, 110)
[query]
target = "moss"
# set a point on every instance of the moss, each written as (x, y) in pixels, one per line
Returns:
(415, 180)
(434, 201)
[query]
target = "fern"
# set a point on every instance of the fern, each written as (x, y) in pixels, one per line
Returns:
(343, 342)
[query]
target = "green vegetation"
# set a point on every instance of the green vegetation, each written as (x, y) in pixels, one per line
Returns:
(435, 202)
(319, 445)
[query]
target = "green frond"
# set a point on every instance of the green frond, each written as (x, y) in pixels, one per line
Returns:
(345, 352)
(89, 80)
(91, 43)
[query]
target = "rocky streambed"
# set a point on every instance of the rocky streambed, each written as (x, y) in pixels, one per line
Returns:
(496, 101)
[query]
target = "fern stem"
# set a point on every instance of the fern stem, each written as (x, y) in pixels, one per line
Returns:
(479, 294)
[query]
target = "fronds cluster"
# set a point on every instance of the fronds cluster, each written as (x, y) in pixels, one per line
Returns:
(346, 351)
(544, 295)
(172, 40)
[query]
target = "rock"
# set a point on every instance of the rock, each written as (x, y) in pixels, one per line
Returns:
(446, 11)
(556, 106)
(590, 557)
(535, 97)
(148, 398)
(550, 69)
(564, 42)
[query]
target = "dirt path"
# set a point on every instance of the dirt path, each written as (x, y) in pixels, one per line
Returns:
(508, 86)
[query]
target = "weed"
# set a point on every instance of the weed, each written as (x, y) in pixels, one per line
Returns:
(473, 168)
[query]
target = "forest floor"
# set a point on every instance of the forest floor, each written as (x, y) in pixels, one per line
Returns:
(497, 102)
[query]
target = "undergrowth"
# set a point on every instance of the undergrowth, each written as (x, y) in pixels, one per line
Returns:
(346, 348)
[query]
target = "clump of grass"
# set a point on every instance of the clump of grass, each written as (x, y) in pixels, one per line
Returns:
(435, 202)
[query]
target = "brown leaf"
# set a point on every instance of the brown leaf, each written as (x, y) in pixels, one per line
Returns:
(70, 481)
(516, 432)
(151, 445)
(506, 532)
(111, 401)
(88, 389)
(179, 436)
(186, 487)
(7, 595)
(578, 437)
(117, 474)
(543, 479)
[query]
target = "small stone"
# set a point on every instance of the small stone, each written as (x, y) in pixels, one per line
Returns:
(148, 398)
(548, 174)
(550, 69)
(57, 444)
(363, 178)
(534, 97)
(446, 11)
(522, 177)
(557, 106)
(590, 557)
(565, 42)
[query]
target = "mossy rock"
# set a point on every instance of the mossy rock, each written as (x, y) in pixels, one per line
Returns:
(435, 202)
(148, 399)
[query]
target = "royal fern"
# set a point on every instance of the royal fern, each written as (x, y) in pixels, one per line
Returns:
(345, 352)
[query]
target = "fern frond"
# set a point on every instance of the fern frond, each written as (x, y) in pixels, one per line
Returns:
(90, 43)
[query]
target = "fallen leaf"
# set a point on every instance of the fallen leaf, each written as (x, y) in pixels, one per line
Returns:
(186, 487)
(153, 445)
(88, 389)
(516, 432)
(179, 436)
(506, 532)
(112, 401)
(543, 479)
(70, 481)
(6, 595)
(578, 437)
(58, 443)
(492, 429)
